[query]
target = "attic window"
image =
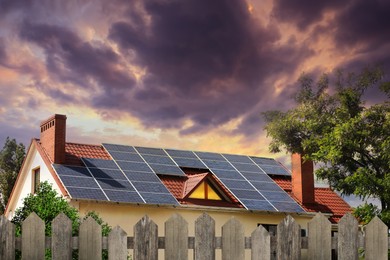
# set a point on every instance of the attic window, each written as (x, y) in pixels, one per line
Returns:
(36, 179)
(205, 191)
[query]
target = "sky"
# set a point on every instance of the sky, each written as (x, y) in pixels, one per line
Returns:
(193, 74)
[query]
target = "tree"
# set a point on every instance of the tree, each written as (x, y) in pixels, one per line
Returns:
(11, 159)
(349, 140)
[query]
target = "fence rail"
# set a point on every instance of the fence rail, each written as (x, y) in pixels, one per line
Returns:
(145, 241)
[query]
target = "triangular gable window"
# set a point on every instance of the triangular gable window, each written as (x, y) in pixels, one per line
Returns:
(204, 191)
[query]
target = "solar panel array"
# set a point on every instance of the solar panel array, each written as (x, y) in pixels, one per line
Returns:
(103, 180)
(246, 177)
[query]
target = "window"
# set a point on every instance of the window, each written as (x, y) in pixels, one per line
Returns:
(36, 179)
(205, 191)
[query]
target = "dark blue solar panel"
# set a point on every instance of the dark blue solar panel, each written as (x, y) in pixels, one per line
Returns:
(86, 193)
(237, 158)
(277, 196)
(121, 156)
(253, 176)
(237, 184)
(141, 176)
(80, 182)
(75, 171)
(210, 156)
(153, 151)
(119, 148)
(115, 184)
(190, 163)
(264, 161)
(224, 165)
(123, 196)
(167, 169)
(234, 175)
(287, 206)
(266, 186)
(277, 170)
(107, 174)
(182, 154)
(150, 187)
(158, 159)
(99, 163)
(134, 166)
(247, 167)
(247, 194)
(258, 205)
(159, 198)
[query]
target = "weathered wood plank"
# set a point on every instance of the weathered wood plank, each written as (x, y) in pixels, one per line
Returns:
(90, 240)
(376, 240)
(288, 239)
(233, 240)
(176, 238)
(33, 238)
(204, 238)
(261, 244)
(117, 244)
(145, 240)
(348, 238)
(61, 242)
(7, 238)
(319, 238)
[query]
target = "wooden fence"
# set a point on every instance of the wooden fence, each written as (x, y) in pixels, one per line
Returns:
(176, 242)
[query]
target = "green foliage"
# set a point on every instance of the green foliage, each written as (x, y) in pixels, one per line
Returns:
(11, 160)
(349, 139)
(47, 204)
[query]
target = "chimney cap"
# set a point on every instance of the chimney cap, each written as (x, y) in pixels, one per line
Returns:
(55, 116)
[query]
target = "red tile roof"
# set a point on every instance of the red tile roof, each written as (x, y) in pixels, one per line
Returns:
(192, 182)
(327, 201)
(73, 153)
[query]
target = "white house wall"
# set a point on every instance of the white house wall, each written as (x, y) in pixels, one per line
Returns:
(24, 184)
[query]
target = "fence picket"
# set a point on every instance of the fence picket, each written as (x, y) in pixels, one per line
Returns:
(117, 244)
(260, 244)
(7, 238)
(288, 239)
(90, 240)
(376, 240)
(176, 238)
(233, 240)
(348, 238)
(61, 242)
(204, 238)
(145, 239)
(319, 238)
(33, 238)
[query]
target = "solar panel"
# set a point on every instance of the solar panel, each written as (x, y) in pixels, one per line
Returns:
(266, 186)
(159, 198)
(86, 193)
(258, 205)
(210, 156)
(75, 171)
(124, 196)
(247, 194)
(182, 154)
(122, 156)
(277, 196)
(80, 182)
(115, 184)
(223, 165)
(253, 176)
(237, 158)
(152, 151)
(264, 161)
(189, 163)
(236, 184)
(107, 174)
(141, 176)
(287, 206)
(226, 174)
(119, 148)
(276, 170)
(167, 169)
(246, 167)
(134, 166)
(99, 163)
(150, 187)
(158, 159)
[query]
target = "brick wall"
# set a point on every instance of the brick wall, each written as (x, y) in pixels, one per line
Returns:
(53, 137)
(302, 179)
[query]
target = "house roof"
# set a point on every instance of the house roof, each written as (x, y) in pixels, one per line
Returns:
(327, 201)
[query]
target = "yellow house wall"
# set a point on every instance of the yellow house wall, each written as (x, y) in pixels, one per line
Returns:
(126, 216)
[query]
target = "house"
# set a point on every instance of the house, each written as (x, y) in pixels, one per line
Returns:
(123, 183)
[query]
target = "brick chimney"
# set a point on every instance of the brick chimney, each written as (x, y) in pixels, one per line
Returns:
(53, 135)
(302, 179)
